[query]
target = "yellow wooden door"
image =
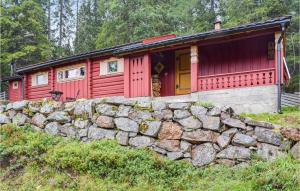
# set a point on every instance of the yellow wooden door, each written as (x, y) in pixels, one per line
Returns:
(183, 72)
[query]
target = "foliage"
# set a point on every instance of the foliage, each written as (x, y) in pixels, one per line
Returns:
(40, 161)
(290, 117)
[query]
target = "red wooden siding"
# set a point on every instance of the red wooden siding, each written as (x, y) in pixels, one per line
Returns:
(37, 92)
(15, 94)
(105, 86)
(237, 56)
(137, 73)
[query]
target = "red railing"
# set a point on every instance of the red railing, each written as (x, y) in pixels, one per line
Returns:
(237, 80)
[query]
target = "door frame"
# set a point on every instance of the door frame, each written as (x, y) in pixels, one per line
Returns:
(179, 53)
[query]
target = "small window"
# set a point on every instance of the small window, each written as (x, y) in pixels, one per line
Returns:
(15, 85)
(71, 74)
(40, 79)
(112, 67)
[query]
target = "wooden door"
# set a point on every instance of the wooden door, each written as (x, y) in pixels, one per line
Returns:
(183, 72)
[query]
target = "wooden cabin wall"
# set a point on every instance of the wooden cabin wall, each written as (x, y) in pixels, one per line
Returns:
(105, 86)
(236, 56)
(37, 92)
(15, 94)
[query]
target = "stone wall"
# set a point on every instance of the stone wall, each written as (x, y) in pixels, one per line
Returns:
(186, 131)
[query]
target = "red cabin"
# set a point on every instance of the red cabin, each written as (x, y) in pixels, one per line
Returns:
(203, 65)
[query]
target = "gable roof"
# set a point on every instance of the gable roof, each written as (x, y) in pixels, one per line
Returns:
(140, 46)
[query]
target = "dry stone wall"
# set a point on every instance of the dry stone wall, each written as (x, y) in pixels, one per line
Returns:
(188, 131)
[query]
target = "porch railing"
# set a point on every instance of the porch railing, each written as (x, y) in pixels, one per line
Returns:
(237, 80)
(3, 96)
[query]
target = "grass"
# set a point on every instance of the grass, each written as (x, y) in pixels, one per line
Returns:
(290, 117)
(38, 161)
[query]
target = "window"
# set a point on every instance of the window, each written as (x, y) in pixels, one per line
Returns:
(71, 74)
(111, 66)
(15, 85)
(40, 79)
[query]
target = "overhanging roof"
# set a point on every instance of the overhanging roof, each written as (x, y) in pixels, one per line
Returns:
(139, 46)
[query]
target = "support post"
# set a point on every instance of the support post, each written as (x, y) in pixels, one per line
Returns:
(194, 68)
(147, 75)
(126, 78)
(88, 78)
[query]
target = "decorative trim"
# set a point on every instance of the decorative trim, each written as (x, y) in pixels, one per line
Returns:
(63, 69)
(15, 85)
(103, 66)
(34, 80)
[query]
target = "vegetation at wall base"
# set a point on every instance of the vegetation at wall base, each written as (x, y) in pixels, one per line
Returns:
(38, 161)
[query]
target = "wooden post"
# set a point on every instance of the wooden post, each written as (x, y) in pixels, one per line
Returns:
(277, 35)
(194, 68)
(147, 75)
(88, 78)
(52, 79)
(126, 77)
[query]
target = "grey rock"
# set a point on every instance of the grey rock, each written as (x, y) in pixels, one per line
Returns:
(203, 154)
(267, 151)
(185, 146)
(158, 106)
(285, 145)
(105, 122)
(11, 113)
(227, 109)
(170, 130)
(235, 152)
(175, 155)
(19, 105)
(200, 136)
(132, 134)
(180, 114)
(2, 108)
(68, 130)
(187, 155)
(165, 114)
(59, 116)
(215, 111)
(39, 120)
(211, 123)
(105, 109)
(223, 140)
(81, 124)
(179, 105)
(198, 111)
(141, 141)
(268, 136)
(216, 147)
(52, 128)
(82, 133)
(295, 151)
(9, 106)
(117, 100)
(95, 133)
(122, 138)
(226, 162)
(123, 111)
(230, 132)
(143, 104)
(169, 145)
(234, 123)
(84, 108)
(150, 128)
(159, 150)
(47, 108)
(139, 115)
(258, 123)
(4, 119)
(190, 123)
(35, 128)
(20, 119)
(34, 106)
(69, 107)
(126, 124)
(245, 140)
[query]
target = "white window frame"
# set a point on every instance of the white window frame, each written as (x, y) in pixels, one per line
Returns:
(15, 85)
(34, 79)
(70, 68)
(104, 66)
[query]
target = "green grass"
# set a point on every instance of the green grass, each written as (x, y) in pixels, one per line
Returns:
(290, 117)
(42, 162)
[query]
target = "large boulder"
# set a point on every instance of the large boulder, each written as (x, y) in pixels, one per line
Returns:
(52, 128)
(20, 119)
(251, 122)
(179, 105)
(105, 122)
(211, 123)
(126, 124)
(267, 151)
(139, 115)
(19, 105)
(268, 136)
(236, 123)
(295, 151)
(180, 114)
(190, 123)
(169, 145)
(34, 106)
(123, 111)
(200, 136)
(141, 141)
(95, 133)
(170, 130)
(223, 140)
(215, 111)
(150, 128)
(198, 111)
(4, 119)
(203, 154)
(38, 120)
(235, 152)
(244, 140)
(59, 116)
(105, 109)
(84, 108)
(81, 124)
(165, 114)
(47, 108)
(122, 138)
(158, 105)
